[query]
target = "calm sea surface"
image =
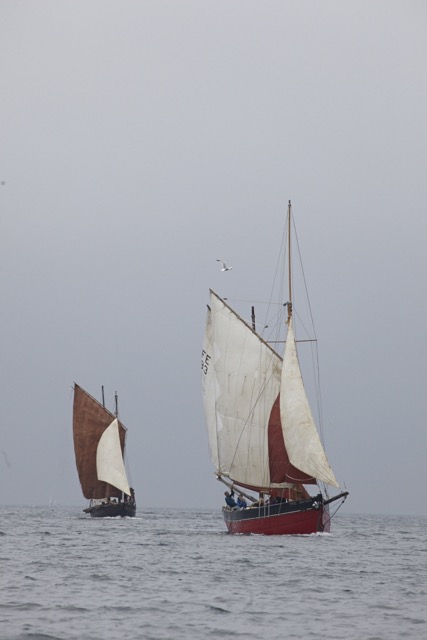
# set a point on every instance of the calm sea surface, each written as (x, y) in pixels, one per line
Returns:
(178, 574)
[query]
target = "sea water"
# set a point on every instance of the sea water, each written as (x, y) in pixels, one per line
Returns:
(179, 575)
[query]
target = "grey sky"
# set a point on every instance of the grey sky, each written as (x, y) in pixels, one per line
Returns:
(141, 141)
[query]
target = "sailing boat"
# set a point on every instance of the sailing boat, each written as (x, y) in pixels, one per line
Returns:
(99, 444)
(262, 433)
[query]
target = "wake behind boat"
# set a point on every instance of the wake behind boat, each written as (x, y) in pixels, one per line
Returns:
(99, 445)
(262, 433)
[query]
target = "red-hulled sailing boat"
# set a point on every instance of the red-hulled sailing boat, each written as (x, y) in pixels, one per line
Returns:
(262, 434)
(99, 445)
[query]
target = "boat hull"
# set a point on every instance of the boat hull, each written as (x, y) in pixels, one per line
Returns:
(299, 518)
(112, 510)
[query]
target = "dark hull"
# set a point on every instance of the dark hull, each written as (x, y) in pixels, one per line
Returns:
(112, 510)
(295, 518)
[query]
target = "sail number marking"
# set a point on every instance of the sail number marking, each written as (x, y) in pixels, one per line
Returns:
(205, 361)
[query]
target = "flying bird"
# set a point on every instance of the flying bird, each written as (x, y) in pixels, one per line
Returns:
(224, 267)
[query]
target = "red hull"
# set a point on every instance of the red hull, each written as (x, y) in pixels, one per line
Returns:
(291, 523)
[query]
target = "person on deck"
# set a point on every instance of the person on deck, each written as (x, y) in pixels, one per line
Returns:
(261, 500)
(241, 502)
(229, 499)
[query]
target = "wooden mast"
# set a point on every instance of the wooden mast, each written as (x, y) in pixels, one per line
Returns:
(289, 263)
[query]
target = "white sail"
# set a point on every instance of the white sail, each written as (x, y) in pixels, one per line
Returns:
(241, 381)
(210, 389)
(303, 444)
(109, 459)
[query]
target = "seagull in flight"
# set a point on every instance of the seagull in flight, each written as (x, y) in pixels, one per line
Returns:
(224, 267)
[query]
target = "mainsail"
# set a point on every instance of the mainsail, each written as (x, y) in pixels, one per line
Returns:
(249, 412)
(240, 385)
(90, 422)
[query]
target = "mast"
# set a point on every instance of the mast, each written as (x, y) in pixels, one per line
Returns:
(289, 263)
(116, 413)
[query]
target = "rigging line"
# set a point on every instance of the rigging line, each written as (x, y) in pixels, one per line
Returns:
(332, 515)
(254, 404)
(316, 369)
(315, 354)
(316, 359)
(284, 341)
(316, 373)
(316, 378)
(280, 261)
(279, 316)
(302, 324)
(323, 487)
(248, 422)
(304, 278)
(127, 466)
(277, 323)
(266, 411)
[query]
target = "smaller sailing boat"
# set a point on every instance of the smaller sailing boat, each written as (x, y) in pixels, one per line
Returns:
(262, 433)
(99, 444)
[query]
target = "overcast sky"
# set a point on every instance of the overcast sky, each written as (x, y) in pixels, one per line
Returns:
(141, 141)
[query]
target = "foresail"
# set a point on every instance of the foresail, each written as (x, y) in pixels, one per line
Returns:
(241, 381)
(300, 434)
(109, 459)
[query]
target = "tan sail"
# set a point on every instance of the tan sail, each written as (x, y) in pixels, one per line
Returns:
(90, 421)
